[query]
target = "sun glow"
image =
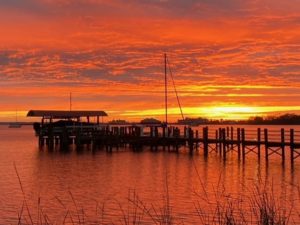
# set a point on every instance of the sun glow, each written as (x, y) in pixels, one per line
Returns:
(228, 112)
(109, 54)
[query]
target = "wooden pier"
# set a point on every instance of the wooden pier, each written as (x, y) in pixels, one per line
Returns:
(112, 137)
(172, 138)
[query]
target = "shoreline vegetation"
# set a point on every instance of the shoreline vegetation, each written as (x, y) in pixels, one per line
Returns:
(285, 119)
(259, 204)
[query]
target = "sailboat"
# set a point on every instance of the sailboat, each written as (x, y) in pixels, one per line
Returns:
(169, 70)
(183, 121)
(15, 124)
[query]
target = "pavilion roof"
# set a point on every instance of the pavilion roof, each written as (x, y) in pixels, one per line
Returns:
(60, 114)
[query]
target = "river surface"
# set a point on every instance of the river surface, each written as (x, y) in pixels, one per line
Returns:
(96, 187)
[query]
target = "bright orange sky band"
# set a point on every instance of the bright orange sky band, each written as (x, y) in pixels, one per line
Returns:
(231, 59)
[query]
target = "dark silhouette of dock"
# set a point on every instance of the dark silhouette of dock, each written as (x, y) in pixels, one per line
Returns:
(171, 138)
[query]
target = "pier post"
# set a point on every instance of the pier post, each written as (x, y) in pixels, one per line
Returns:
(164, 132)
(227, 132)
(258, 142)
(217, 135)
(224, 143)
(57, 140)
(64, 139)
(78, 138)
(239, 142)
(156, 132)
(177, 132)
(220, 141)
(231, 136)
(243, 144)
(266, 144)
(164, 136)
(292, 145)
(227, 136)
(197, 139)
(282, 145)
(205, 141)
(50, 136)
(190, 137)
(170, 131)
(41, 140)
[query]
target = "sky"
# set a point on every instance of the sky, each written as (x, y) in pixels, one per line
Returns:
(230, 59)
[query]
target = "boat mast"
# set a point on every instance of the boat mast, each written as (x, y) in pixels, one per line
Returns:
(175, 89)
(166, 91)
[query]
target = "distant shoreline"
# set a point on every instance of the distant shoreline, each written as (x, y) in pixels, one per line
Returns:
(21, 123)
(174, 124)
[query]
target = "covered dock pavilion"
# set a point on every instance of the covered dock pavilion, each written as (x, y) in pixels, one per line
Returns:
(50, 115)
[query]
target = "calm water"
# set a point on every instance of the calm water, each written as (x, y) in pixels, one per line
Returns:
(94, 179)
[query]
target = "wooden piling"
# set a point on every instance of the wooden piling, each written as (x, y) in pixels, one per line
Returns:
(292, 145)
(156, 132)
(231, 136)
(224, 143)
(41, 141)
(258, 142)
(239, 142)
(197, 139)
(164, 132)
(220, 140)
(216, 137)
(190, 140)
(266, 144)
(243, 144)
(205, 141)
(50, 136)
(282, 145)
(227, 132)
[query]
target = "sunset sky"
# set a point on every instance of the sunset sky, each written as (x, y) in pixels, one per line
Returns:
(231, 59)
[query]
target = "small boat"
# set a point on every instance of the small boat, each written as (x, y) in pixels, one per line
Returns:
(15, 124)
(151, 121)
(193, 122)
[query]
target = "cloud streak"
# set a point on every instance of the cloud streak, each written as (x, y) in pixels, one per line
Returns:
(109, 54)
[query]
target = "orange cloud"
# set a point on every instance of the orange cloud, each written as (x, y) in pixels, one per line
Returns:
(225, 55)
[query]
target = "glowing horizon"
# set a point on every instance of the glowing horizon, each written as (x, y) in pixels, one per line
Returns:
(231, 59)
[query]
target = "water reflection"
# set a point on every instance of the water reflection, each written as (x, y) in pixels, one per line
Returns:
(95, 176)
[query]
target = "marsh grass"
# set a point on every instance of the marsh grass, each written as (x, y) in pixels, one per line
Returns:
(219, 207)
(260, 206)
(269, 208)
(135, 212)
